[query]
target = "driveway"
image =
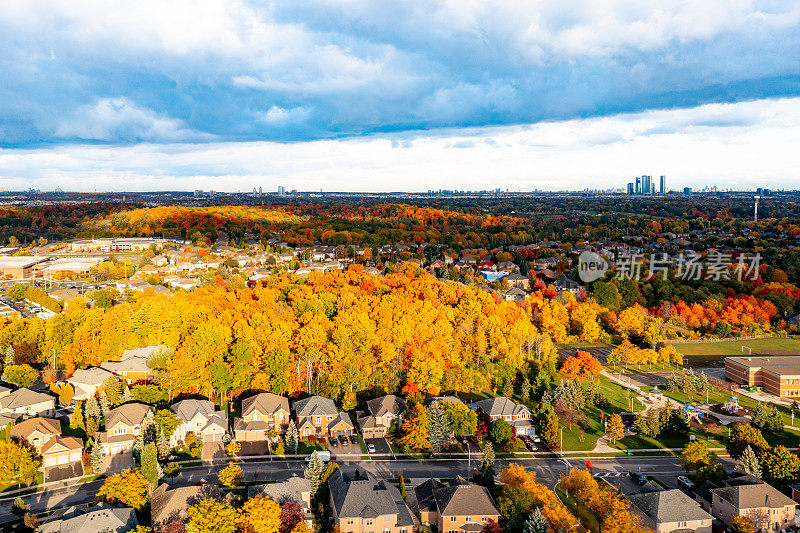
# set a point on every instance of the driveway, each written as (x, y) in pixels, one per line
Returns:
(113, 464)
(214, 449)
(381, 446)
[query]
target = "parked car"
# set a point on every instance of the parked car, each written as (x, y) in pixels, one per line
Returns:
(342, 439)
(685, 482)
(354, 439)
(371, 448)
(638, 477)
(334, 442)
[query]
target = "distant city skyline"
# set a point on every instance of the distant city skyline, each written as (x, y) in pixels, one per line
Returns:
(233, 94)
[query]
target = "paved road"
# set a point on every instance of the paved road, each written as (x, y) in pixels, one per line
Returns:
(548, 471)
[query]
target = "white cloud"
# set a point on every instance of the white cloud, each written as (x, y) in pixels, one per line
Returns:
(118, 119)
(690, 146)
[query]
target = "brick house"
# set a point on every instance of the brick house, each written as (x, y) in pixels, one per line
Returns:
(455, 507)
(261, 414)
(319, 417)
(517, 415)
(362, 504)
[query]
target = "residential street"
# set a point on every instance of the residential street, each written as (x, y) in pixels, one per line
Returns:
(548, 470)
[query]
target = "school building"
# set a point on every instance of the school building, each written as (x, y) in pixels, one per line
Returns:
(778, 375)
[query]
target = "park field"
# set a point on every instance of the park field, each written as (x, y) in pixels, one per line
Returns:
(733, 348)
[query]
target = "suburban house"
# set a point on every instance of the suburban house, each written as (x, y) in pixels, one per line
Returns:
(123, 426)
(26, 402)
(519, 281)
(297, 489)
(319, 417)
(382, 412)
(133, 365)
(199, 417)
(745, 495)
(362, 504)
(515, 294)
(670, 511)
(455, 507)
(261, 414)
(168, 505)
(36, 431)
(86, 381)
(518, 416)
(99, 518)
(564, 284)
(61, 451)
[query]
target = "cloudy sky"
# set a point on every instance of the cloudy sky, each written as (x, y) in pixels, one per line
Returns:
(412, 95)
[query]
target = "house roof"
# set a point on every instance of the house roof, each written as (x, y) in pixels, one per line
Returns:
(70, 443)
(293, 488)
(132, 414)
(455, 498)
(315, 406)
(167, 505)
(668, 506)
(389, 404)
(500, 406)
(265, 403)
(90, 376)
(359, 495)
(752, 496)
(441, 399)
(24, 397)
(341, 417)
(187, 409)
(99, 518)
(134, 360)
(45, 426)
(565, 283)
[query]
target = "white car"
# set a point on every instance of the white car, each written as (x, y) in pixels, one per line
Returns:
(371, 448)
(685, 482)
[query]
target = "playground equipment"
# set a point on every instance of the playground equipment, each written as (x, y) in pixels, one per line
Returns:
(693, 413)
(732, 405)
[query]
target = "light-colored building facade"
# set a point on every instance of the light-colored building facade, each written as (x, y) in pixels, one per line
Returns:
(778, 375)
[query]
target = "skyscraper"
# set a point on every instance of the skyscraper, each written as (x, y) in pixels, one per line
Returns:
(638, 185)
(663, 185)
(630, 187)
(281, 190)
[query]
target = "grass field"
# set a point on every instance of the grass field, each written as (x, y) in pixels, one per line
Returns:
(734, 348)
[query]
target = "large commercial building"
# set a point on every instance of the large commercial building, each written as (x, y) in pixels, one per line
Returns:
(779, 375)
(662, 185)
(19, 267)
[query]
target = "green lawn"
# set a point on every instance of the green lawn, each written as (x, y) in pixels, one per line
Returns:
(734, 347)
(619, 398)
(305, 447)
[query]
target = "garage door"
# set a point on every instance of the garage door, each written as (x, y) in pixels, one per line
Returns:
(210, 437)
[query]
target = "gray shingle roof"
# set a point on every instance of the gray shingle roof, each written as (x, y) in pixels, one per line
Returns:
(315, 406)
(386, 404)
(101, 518)
(456, 498)
(132, 414)
(668, 506)
(22, 397)
(500, 406)
(751, 496)
(359, 495)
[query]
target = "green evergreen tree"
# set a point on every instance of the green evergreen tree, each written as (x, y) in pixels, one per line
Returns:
(150, 463)
(535, 523)
(759, 417)
(127, 395)
(438, 428)
(508, 388)
(97, 458)
(313, 472)
(8, 360)
(774, 422)
(162, 443)
(525, 393)
(486, 469)
(105, 405)
(748, 463)
(149, 428)
(92, 409)
(292, 438)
